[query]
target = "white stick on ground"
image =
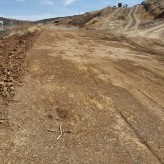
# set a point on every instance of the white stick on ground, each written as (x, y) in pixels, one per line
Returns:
(61, 132)
(50, 130)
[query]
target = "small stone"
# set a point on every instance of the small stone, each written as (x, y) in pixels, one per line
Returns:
(12, 88)
(2, 83)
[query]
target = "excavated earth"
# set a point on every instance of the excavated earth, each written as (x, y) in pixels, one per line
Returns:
(70, 95)
(13, 62)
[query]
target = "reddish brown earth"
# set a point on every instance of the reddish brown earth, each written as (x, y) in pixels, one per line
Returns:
(13, 62)
(104, 90)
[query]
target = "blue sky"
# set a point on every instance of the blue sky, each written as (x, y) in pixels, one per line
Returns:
(40, 9)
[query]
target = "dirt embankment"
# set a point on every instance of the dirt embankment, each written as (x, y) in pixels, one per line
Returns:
(107, 18)
(154, 8)
(12, 65)
(113, 18)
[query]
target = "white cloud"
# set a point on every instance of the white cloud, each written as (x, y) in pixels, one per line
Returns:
(20, 0)
(68, 2)
(48, 2)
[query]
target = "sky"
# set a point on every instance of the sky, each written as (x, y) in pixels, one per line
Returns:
(41, 9)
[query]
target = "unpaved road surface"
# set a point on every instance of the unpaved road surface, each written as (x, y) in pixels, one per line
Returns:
(154, 32)
(106, 90)
(133, 21)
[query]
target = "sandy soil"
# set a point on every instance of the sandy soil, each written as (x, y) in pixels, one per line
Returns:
(104, 91)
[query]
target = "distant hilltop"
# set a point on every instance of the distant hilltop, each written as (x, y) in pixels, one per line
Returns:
(8, 21)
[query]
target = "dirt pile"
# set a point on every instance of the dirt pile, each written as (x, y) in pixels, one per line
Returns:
(13, 61)
(107, 18)
(81, 20)
(111, 18)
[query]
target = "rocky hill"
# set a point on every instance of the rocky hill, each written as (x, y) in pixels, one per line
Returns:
(155, 8)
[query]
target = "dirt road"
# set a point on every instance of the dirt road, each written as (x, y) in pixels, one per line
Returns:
(133, 21)
(154, 32)
(106, 90)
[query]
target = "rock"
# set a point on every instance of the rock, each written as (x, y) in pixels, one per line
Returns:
(12, 88)
(21, 41)
(2, 83)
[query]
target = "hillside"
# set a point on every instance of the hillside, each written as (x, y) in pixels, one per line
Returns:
(154, 8)
(8, 21)
(90, 19)
(114, 18)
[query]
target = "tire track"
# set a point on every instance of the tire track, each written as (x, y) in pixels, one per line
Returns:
(142, 141)
(133, 21)
(150, 31)
(152, 100)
